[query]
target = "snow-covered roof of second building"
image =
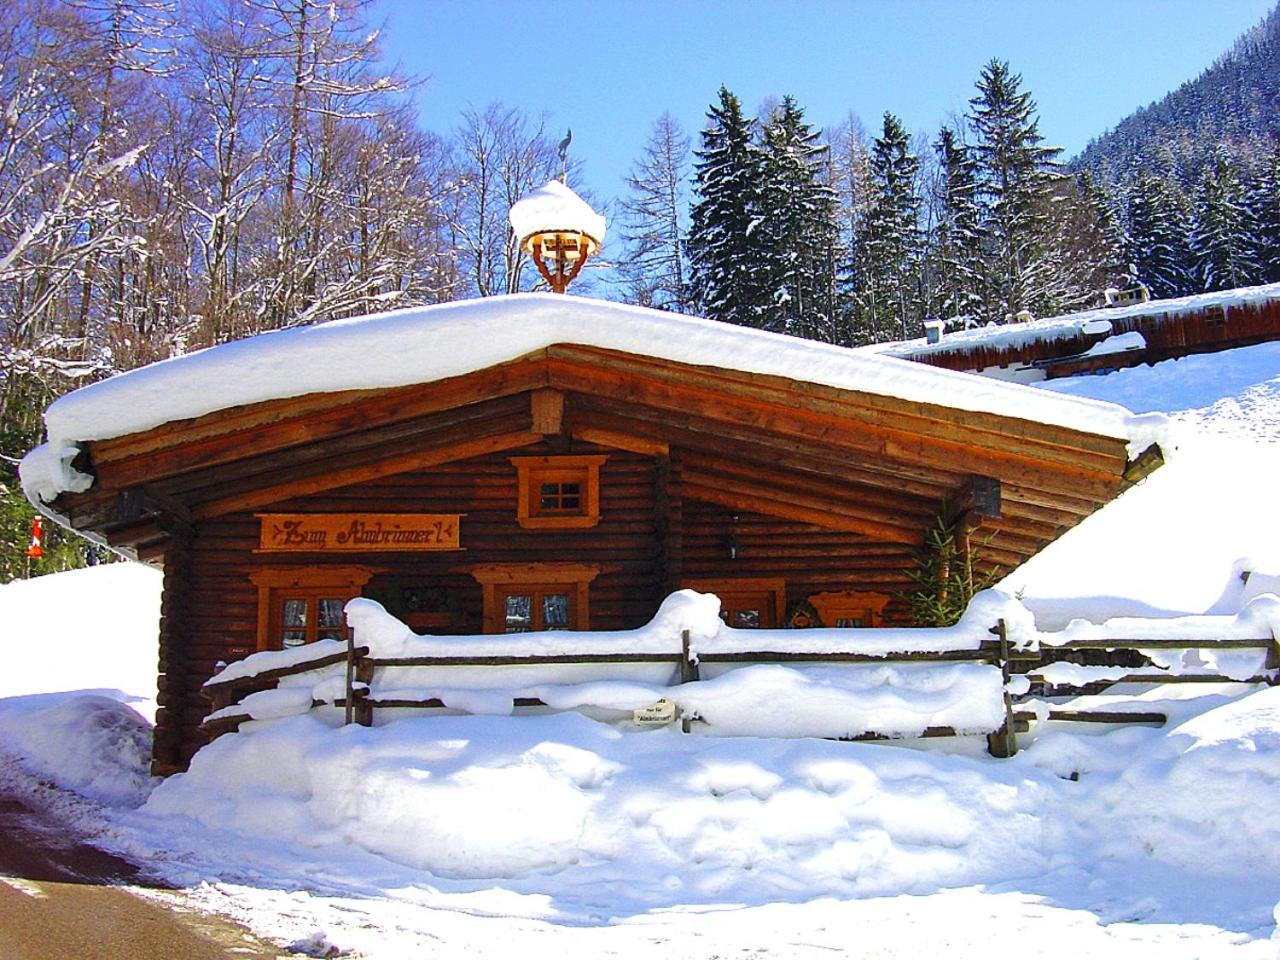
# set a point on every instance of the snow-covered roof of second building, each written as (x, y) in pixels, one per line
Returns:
(1015, 335)
(424, 344)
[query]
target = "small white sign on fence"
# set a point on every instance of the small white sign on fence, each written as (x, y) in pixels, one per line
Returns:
(656, 714)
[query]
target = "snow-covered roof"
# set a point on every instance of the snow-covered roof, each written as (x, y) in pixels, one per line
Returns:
(1090, 322)
(555, 207)
(425, 344)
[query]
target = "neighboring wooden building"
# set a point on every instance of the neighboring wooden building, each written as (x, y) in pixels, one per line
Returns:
(542, 462)
(1106, 339)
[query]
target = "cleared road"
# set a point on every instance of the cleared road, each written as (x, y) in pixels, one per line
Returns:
(60, 899)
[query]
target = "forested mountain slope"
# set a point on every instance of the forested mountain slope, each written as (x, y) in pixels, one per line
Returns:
(1236, 103)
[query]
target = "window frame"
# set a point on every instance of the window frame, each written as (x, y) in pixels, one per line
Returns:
(725, 588)
(850, 605)
(498, 580)
(312, 584)
(532, 472)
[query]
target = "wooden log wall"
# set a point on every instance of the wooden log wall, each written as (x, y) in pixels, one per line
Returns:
(810, 559)
(649, 538)
(174, 741)
(224, 603)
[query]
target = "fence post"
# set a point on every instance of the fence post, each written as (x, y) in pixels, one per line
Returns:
(349, 713)
(1004, 742)
(688, 671)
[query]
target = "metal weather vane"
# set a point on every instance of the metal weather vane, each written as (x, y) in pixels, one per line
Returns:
(564, 155)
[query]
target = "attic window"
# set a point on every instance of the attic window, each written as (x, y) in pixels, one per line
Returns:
(557, 493)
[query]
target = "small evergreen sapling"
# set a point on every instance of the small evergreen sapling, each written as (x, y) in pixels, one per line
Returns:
(946, 576)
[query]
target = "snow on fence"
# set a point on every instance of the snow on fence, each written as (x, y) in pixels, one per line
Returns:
(687, 665)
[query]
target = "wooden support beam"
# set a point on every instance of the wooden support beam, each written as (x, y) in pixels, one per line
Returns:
(1146, 463)
(622, 441)
(342, 477)
(711, 491)
(978, 497)
(546, 408)
(760, 496)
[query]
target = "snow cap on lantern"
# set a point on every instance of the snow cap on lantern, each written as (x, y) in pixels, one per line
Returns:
(559, 230)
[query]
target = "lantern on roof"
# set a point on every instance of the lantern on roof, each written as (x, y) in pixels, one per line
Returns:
(559, 230)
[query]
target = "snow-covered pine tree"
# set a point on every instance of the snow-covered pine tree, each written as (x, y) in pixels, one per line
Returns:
(653, 228)
(890, 243)
(1222, 235)
(724, 248)
(798, 227)
(1263, 203)
(1157, 237)
(1018, 180)
(958, 238)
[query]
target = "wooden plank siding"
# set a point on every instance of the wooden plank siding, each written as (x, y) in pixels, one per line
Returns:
(831, 489)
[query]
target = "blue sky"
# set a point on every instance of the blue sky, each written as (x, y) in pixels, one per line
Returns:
(608, 68)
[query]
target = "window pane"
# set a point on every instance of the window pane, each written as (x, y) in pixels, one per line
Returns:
(330, 612)
(295, 613)
(848, 622)
(549, 496)
(331, 635)
(559, 496)
(555, 611)
(570, 496)
(748, 619)
(519, 613)
(293, 638)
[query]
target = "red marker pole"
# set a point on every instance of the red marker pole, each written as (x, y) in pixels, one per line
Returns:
(36, 550)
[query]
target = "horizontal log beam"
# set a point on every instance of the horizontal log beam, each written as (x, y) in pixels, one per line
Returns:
(878, 409)
(1051, 468)
(229, 435)
(754, 502)
(341, 477)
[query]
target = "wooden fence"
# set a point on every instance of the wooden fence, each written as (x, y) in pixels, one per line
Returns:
(359, 702)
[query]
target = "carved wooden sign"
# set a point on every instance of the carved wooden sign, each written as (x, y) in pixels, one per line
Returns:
(358, 532)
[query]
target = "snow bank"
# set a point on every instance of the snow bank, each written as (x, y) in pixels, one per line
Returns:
(431, 343)
(901, 700)
(555, 206)
(660, 815)
(92, 630)
(1204, 796)
(93, 745)
(1170, 546)
(566, 807)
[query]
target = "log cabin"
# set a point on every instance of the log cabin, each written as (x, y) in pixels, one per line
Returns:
(550, 462)
(1103, 340)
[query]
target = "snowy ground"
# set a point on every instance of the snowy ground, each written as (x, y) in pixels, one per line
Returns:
(559, 836)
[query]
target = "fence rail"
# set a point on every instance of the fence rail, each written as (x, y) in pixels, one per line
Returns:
(359, 701)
